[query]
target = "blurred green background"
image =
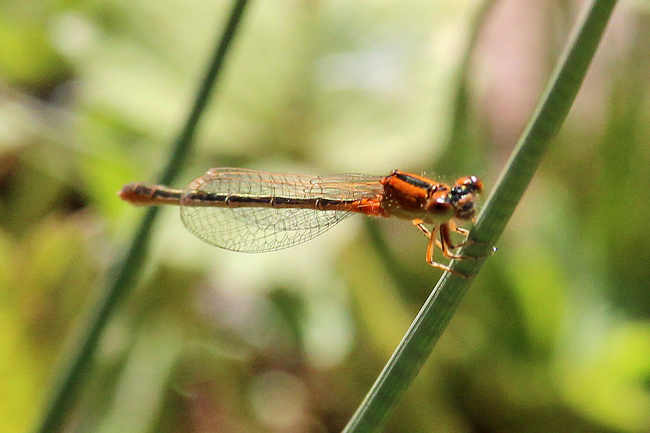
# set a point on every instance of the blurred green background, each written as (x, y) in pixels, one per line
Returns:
(554, 334)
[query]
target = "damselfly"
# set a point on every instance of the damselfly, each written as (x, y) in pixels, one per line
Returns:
(256, 211)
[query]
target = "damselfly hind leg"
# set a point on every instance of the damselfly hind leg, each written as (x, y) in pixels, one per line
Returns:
(445, 243)
(420, 225)
(461, 231)
(429, 256)
(454, 227)
(433, 243)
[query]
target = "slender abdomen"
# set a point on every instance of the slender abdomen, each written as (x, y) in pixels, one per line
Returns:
(143, 194)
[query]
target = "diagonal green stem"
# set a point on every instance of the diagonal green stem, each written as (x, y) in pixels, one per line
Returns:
(417, 344)
(185, 138)
(123, 276)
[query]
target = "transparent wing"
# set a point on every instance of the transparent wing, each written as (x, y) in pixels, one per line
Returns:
(261, 229)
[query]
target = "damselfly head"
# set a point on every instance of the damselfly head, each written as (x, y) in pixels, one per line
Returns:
(463, 197)
(438, 205)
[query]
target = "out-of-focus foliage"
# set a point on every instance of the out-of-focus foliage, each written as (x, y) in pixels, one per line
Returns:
(555, 333)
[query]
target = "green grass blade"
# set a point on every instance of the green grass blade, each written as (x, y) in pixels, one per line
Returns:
(434, 316)
(124, 275)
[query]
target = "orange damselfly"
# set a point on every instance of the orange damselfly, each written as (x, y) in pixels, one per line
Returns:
(257, 211)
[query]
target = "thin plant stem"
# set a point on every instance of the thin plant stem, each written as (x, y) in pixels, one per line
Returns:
(554, 105)
(124, 275)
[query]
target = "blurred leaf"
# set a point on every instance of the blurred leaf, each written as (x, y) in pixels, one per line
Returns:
(610, 384)
(27, 58)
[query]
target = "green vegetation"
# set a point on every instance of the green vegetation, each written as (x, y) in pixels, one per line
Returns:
(553, 336)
